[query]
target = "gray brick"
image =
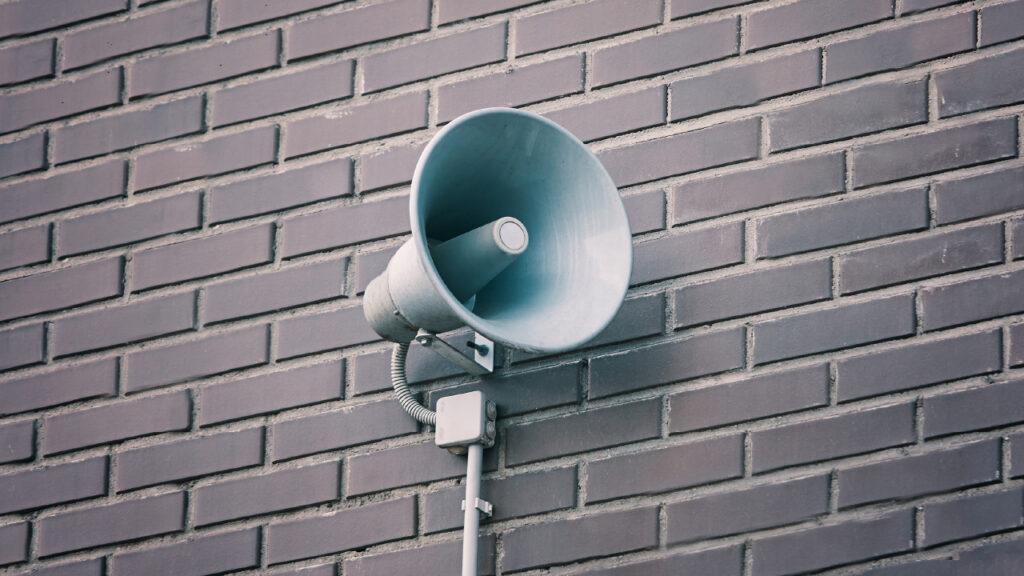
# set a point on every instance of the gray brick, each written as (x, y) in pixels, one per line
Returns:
(745, 85)
(1001, 23)
(666, 52)
(916, 567)
(345, 225)
(979, 196)
(834, 328)
(202, 257)
(516, 87)
(344, 126)
(753, 292)
(63, 288)
(646, 211)
(369, 265)
(358, 26)
(665, 469)
(863, 110)
(1017, 345)
(24, 155)
(341, 428)
(189, 458)
(808, 18)
(911, 6)
(593, 536)
(1017, 455)
(453, 10)
(726, 561)
(405, 466)
(1017, 233)
(26, 61)
(288, 288)
(434, 58)
(682, 8)
(16, 441)
(201, 65)
(269, 393)
(921, 258)
(392, 167)
(667, 362)
(670, 256)
(512, 497)
(60, 99)
(917, 365)
(957, 89)
(749, 399)
(92, 567)
(21, 346)
(582, 22)
(267, 493)
(913, 476)
(291, 91)
(55, 484)
(127, 130)
(14, 542)
(211, 157)
(295, 187)
(833, 545)
(834, 437)
(747, 510)
(199, 557)
(120, 522)
(431, 560)
(122, 324)
(990, 406)
(997, 559)
(517, 393)
(119, 421)
(130, 224)
(26, 16)
(971, 301)
(583, 432)
(613, 116)
(235, 13)
(748, 189)
(345, 530)
(59, 386)
(24, 247)
(901, 47)
(843, 222)
(212, 355)
(683, 153)
(64, 190)
(300, 335)
(971, 517)
(934, 152)
(147, 29)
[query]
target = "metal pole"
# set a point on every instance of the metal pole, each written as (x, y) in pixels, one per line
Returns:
(471, 518)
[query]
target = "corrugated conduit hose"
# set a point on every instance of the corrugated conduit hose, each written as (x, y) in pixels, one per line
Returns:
(405, 397)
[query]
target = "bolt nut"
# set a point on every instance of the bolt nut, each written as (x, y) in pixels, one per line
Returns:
(492, 410)
(490, 430)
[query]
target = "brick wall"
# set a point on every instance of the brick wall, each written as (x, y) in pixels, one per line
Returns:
(818, 367)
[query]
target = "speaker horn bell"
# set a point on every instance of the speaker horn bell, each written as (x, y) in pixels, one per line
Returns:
(517, 232)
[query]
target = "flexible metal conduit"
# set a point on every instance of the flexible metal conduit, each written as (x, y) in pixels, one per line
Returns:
(405, 397)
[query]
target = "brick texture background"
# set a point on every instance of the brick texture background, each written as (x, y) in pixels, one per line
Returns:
(819, 367)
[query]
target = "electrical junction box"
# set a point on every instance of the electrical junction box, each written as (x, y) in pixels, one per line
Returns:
(464, 419)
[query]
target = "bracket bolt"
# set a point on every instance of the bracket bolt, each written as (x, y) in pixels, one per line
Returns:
(483, 349)
(424, 340)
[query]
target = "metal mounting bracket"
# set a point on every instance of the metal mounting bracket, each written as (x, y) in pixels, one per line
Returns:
(483, 352)
(482, 505)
